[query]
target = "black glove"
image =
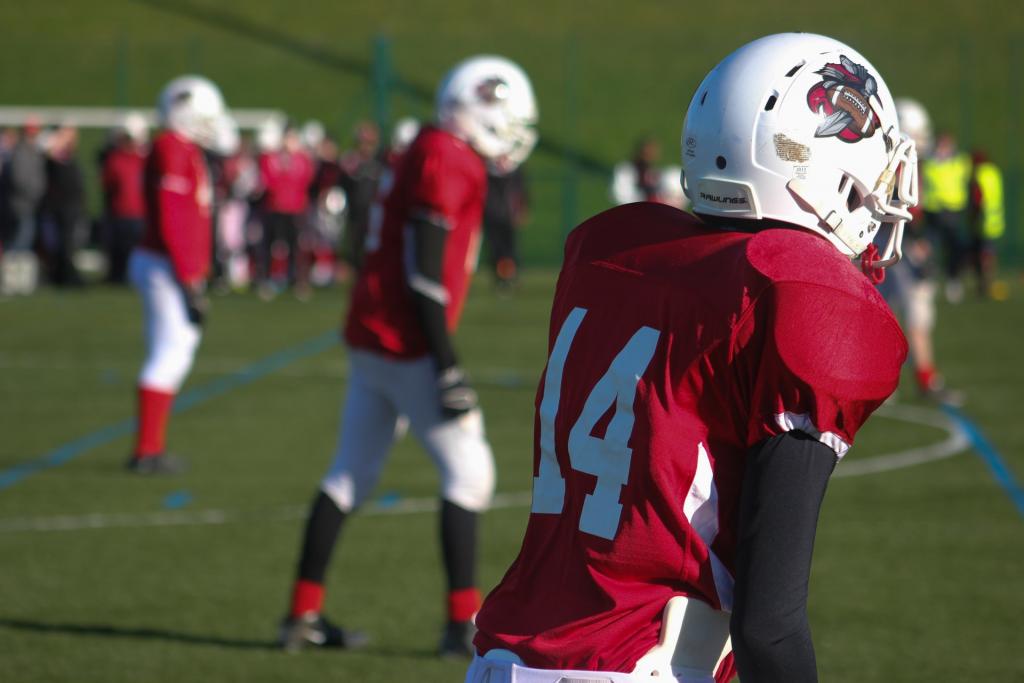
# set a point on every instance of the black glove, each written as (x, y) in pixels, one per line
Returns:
(196, 303)
(457, 397)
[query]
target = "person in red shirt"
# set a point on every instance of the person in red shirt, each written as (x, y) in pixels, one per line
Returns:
(170, 266)
(286, 175)
(421, 248)
(123, 194)
(705, 376)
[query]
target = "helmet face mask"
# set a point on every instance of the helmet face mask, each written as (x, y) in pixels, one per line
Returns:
(194, 107)
(488, 101)
(801, 129)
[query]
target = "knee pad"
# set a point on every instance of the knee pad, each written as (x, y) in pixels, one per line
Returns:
(169, 361)
(467, 477)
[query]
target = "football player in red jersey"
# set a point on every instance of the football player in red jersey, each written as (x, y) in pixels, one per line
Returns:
(705, 376)
(421, 248)
(170, 265)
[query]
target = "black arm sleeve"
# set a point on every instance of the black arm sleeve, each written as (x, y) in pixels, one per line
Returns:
(424, 259)
(783, 488)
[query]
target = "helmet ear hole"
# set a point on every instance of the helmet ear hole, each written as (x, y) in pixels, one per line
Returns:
(853, 200)
(720, 162)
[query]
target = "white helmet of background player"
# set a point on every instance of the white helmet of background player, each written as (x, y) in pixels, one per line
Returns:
(801, 129)
(915, 122)
(193, 107)
(402, 135)
(488, 101)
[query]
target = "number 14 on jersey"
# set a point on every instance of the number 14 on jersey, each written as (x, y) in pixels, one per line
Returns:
(606, 458)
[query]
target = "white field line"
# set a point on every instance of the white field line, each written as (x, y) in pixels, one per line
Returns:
(955, 442)
(335, 368)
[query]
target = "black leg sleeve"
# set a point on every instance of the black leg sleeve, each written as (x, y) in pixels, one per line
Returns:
(785, 482)
(322, 527)
(458, 545)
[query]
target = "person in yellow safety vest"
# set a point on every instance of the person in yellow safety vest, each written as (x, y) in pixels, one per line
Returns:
(945, 177)
(986, 218)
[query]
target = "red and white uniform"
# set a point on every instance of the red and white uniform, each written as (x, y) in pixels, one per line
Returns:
(175, 250)
(675, 348)
(439, 176)
(178, 197)
(393, 380)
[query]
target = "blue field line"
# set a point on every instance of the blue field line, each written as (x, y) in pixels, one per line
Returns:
(186, 401)
(1000, 470)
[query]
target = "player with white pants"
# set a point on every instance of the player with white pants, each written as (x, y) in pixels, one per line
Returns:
(170, 265)
(421, 249)
(383, 396)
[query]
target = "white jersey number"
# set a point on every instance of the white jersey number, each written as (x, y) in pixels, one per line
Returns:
(606, 458)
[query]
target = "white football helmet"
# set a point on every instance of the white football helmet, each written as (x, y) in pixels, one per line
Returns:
(135, 126)
(915, 122)
(193, 107)
(488, 101)
(800, 128)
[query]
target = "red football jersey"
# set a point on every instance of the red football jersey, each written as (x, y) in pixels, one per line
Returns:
(674, 348)
(178, 196)
(123, 174)
(441, 177)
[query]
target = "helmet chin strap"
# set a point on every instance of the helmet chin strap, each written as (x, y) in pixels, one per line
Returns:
(842, 230)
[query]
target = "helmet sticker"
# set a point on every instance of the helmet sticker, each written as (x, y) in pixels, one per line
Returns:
(788, 149)
(843, 98)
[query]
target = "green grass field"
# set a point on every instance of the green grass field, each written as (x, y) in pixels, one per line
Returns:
(916, 576)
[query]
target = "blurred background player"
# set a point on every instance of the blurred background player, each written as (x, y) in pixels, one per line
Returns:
(171, 264)
(405, 304)
(986, 221)
(506, 210)
(911, 286)
(122, 173)
(705, 376)
(286, 175)
(945, 176)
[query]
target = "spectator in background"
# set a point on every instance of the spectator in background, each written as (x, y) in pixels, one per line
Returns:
(238, 183)
(639, 179)
(286, 175)
(123, 196)
(505, 211)
(64, 205)
(361, 169)
(985, 218)
(945, 176)
(327, 212)
(24, 186)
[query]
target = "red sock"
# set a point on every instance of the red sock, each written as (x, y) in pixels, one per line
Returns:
(925, 377)
(463, 604)
(307, 596)
(154, 408)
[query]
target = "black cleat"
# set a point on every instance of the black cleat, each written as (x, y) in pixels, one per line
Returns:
(158, 465)
(457, 641)
(313, 630)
